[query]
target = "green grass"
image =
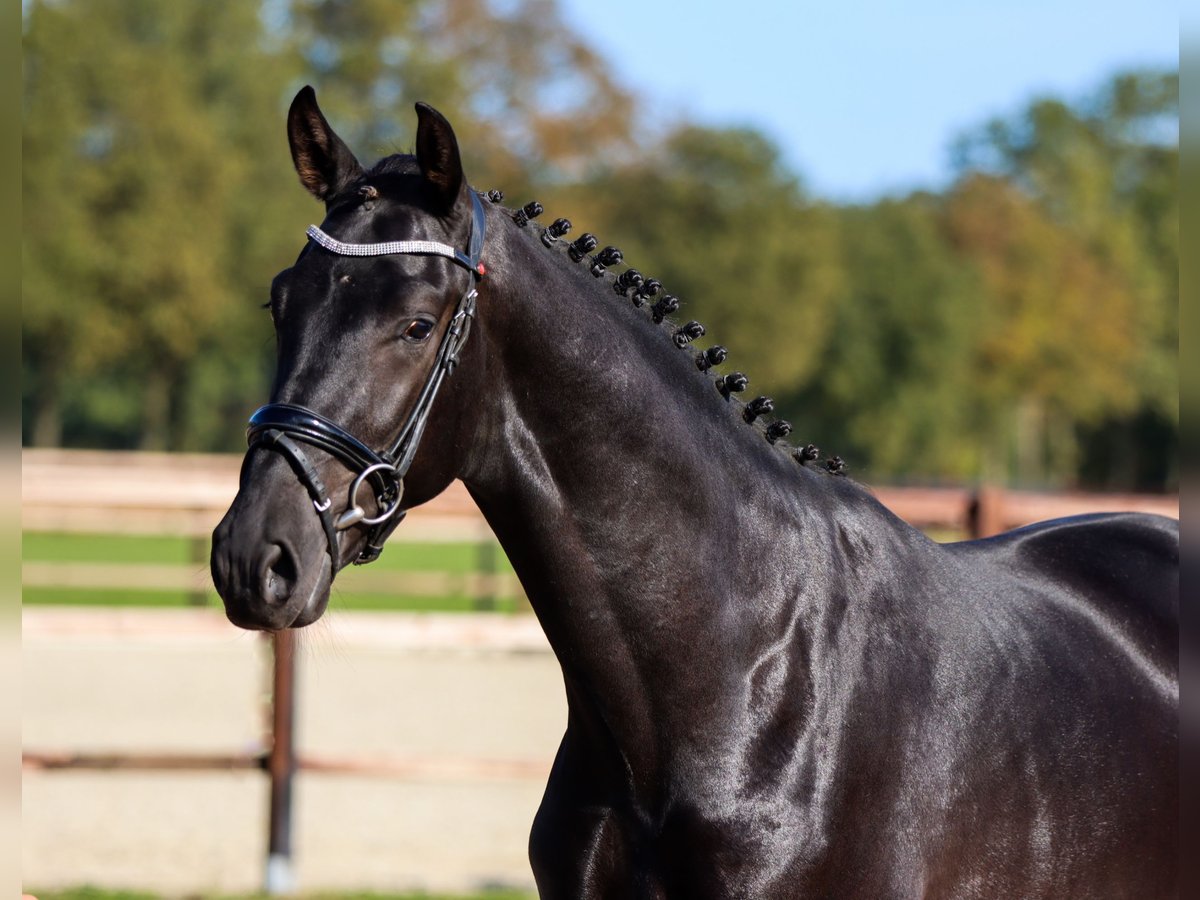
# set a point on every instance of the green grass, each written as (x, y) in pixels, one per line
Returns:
(452, 559)
(398, 557)
(90, 893)
(117, 548)
(341, 599)
(456, 558)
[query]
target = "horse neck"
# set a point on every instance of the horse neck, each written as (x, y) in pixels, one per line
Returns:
(594, 421)
(643, 518)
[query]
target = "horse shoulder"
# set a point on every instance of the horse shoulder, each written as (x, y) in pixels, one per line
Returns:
(1127, 563)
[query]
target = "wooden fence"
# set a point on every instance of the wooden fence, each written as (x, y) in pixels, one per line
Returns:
(186, 495)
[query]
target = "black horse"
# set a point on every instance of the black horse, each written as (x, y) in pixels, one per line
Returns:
(776, 688)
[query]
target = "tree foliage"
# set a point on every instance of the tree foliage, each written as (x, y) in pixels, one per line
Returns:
(897, 387)
(1098, 181)
(159, 193)
(714, 215)
(531, 102)
(146, 187)
(1019, 325)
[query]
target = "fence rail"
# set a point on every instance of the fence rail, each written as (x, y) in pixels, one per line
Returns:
(186, 494)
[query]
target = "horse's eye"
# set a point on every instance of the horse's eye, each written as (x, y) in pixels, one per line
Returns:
(417, 330)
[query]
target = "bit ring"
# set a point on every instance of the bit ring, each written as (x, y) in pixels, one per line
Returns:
(354, 514)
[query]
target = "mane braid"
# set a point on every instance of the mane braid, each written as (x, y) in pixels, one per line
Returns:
(633, 286)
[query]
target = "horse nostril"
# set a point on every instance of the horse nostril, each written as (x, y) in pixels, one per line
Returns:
(279, 574)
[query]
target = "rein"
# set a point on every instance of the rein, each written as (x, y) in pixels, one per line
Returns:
(282, 427)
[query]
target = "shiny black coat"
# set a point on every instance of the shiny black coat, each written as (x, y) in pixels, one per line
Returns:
(775, 687)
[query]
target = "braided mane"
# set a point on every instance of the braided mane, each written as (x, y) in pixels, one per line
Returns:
(648, 293)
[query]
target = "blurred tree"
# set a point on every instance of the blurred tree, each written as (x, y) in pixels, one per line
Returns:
(151, 204)
(1104, 172)
(1021, 324)
(894, 394)
(1057, 335)
(160, 197)
(529, 100)
(715, 216)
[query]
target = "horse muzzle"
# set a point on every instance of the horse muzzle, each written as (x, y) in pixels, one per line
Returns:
(269, 562)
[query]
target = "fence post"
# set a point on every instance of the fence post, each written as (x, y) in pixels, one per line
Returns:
(487, 566)
(198, 556)
(281, 765)
(985, 516)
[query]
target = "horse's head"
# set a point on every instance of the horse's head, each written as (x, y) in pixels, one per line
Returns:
(369, 321)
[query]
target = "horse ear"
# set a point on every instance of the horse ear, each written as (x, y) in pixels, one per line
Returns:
(437, 155)
(325, 164)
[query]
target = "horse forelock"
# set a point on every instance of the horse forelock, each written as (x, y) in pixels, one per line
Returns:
(396, 164)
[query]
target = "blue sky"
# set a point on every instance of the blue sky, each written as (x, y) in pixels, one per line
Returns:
(865, 97)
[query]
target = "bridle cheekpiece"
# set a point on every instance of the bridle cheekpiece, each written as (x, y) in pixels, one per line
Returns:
(282, 427)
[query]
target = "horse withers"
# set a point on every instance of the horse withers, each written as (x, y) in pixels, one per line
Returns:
(775, 687)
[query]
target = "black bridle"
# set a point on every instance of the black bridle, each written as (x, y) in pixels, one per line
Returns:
(280, 426)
